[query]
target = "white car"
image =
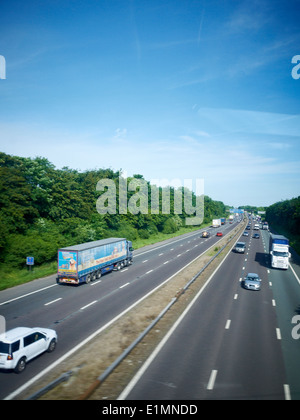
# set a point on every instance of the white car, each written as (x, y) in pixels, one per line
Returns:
(19, 345)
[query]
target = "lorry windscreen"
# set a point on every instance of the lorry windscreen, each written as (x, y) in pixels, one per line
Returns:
(280, 254)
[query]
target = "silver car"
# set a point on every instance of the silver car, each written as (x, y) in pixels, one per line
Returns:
(252, 281)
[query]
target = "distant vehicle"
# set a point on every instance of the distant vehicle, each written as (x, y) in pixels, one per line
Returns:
(240, 247)
(256, 226)
(265, 226)
(256, 236)
(86, 262)
(223, 220)
(219, 234)
(216, 222)
(248, 227)
(246, 233)
(19, 345)
(279, 251)
(205, 234)
(252, 282)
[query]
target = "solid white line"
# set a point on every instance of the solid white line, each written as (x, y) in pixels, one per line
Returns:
(28, 294)
(278, 333)
(155, 352)
(52, 301)
(211, 382)
(124, 285)
(227, 326)
(104, 327)
(294, 273)
(287, 392)
(89, 304)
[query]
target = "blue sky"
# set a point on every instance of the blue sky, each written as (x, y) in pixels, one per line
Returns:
(168, 89)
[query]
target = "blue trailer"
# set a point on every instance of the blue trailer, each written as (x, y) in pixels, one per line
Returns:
(87, 262)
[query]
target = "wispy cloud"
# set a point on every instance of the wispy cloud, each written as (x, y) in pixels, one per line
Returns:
(248, 121)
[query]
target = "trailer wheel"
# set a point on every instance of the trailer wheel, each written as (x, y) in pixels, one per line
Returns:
(88, 279)
(98, 274)
(119, 266)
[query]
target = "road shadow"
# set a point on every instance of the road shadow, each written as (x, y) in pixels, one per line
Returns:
(263, 259)
(297, 310)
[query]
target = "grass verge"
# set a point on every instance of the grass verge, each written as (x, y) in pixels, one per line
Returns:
(10, 276)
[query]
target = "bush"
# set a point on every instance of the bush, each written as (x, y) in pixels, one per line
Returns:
(144, 234)
(42, 247)
(170, 226)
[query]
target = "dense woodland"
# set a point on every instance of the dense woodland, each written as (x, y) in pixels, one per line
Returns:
(284, 217)
(43, 208)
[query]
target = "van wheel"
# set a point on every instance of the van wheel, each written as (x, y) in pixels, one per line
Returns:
(21, 365)
(52, 346)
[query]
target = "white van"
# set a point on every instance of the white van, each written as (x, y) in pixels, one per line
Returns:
(19, 345)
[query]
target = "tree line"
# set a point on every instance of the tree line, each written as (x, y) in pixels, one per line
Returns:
(284, 216)
(43, 208)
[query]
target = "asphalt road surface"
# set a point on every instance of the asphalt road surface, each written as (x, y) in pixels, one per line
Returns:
(231, 343)
(77, 312)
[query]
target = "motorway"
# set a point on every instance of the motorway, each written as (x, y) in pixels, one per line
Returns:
(78, 312)
(230, 343)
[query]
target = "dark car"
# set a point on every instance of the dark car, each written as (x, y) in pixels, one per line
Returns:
(205, 234)
(248, 227)
(256, 236)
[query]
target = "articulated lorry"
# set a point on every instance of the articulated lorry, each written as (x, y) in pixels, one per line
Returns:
(86, 262)
(279, 251)
(216, 222)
